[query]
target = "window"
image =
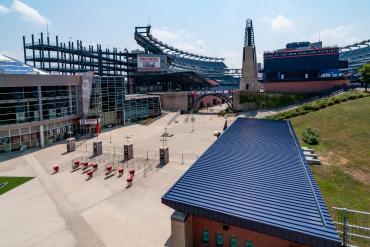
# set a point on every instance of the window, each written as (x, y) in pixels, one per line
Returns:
(205, 237)
(248, 243)
(219, 240)
(233, 242)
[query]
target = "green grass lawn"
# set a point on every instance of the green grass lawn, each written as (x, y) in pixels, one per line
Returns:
(12, 182)
(344, 129)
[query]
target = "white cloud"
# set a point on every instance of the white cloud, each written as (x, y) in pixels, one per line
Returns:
(164, 35)
(282, 24)
(4, 10)
(198, 46)
(181, 39)
(339, 35)
(28, 13)
(233, 59)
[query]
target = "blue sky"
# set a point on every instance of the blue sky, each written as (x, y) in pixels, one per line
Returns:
(214, 28)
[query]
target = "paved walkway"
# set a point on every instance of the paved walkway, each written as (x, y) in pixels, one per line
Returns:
(83, 233)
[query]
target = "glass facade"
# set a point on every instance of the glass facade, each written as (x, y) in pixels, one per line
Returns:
(29, 137)
(60, 101)
(19, 105)
(33, 116)
(107, 97)
(140, 107)
(22, 104)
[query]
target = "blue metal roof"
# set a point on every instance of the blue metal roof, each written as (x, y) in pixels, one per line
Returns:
(255, 176)
(12, 66)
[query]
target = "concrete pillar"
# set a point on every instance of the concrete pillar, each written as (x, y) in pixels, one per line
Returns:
(181, 230)
(41, 127)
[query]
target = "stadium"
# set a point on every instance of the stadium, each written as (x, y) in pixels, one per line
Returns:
(119, 87)
(166, 142)
(301, 67)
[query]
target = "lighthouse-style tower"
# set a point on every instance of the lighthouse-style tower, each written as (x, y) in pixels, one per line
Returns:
(249, 81)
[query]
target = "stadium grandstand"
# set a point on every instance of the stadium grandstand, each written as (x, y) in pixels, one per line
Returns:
(213, 69)
(356, 54)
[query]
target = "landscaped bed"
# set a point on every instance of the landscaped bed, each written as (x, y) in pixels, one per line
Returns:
(9, 183)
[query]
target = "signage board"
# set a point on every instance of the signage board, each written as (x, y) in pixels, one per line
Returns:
(147, 63)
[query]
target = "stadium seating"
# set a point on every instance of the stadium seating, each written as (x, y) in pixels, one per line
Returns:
(356, 56)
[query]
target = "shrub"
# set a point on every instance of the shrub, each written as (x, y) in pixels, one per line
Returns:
(315, 107)
(353, 96)
(310, 136)
(343, 99)
(330, 102)
(337, 100)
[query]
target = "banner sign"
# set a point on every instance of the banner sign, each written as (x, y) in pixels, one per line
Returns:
(210, 92)
(148, 63)
(301, 53)
(330, 73)
(91, 121)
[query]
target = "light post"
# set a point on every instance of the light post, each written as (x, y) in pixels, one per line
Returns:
(192, 119)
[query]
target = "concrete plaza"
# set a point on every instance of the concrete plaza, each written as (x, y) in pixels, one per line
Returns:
(66, 210)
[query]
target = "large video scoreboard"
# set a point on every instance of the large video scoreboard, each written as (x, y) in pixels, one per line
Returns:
(301, 64)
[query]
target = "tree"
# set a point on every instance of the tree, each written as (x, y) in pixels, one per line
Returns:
(365, 74)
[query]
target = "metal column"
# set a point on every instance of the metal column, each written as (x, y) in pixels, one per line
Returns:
(41, 127)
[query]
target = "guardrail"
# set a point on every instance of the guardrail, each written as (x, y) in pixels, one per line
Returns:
(352, 226)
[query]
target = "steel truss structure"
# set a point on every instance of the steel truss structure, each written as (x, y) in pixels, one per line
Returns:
(71, 58)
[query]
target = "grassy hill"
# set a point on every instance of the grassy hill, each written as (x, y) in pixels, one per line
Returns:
(344, 148)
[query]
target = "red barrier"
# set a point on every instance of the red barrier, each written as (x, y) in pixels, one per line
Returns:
(95, 166)
(129, 180)
(56, 168)
(85, 164)
(90, 174)
(108, 168)
(120, 171)
(76, 165)
(132, 172)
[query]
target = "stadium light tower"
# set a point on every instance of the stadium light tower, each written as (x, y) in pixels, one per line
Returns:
(249, 81)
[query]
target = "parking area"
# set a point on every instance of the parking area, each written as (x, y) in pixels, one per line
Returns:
(68, 209)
